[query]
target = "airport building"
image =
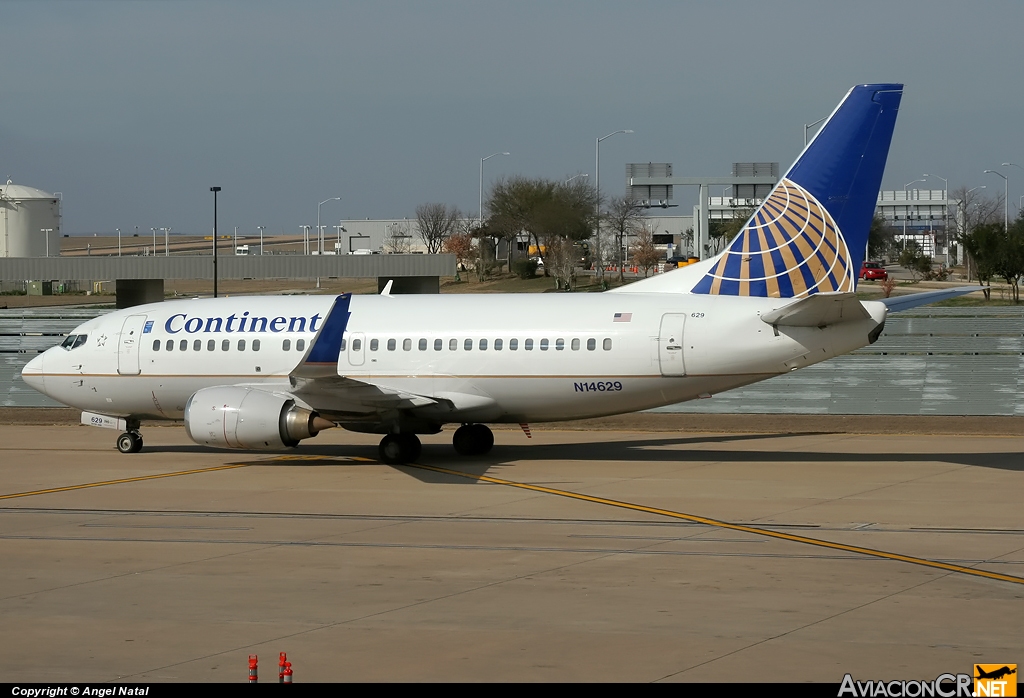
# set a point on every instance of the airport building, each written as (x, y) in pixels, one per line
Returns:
(29, 222)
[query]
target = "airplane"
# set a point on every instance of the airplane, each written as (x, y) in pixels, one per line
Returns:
(995, 674)
(269, 372)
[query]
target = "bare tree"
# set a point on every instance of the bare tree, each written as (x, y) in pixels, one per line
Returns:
(436, 223)
(645, 254)
(971, 209)
(398, 240)
(625, 218)
(562, 258)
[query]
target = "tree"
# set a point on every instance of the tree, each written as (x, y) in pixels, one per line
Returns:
(881, 238)
(982, 244)
(624, 217)
(973, 209)
(913, 259)
(397, 240)
(562, 261)
(461, 245)
(1010, 258)
(436, 223)
(540, 209)
(645, 254)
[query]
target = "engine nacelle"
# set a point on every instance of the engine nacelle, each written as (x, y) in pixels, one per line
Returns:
(249, 418)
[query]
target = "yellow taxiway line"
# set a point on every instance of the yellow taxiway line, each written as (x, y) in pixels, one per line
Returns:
(946, 566)
(121, 481)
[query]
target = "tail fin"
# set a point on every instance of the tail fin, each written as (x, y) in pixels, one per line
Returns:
(810, 234)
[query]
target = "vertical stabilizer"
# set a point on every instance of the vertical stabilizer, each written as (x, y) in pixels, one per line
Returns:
(810, 234)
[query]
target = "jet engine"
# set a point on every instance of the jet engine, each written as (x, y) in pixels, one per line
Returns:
(249, 418)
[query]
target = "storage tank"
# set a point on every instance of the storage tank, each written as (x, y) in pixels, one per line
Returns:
(25, 212)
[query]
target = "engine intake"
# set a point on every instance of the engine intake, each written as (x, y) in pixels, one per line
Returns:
(249, 418)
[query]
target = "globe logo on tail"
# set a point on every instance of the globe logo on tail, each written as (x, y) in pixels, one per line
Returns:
(790, 248)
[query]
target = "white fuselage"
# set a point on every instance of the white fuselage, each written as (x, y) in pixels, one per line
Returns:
(508, 358)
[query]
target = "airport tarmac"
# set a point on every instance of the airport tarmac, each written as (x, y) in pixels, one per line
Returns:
(627, 556)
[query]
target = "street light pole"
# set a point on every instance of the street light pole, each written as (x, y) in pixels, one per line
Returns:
(319, 230)
(154, 241)
(118, 243)
(945, 212)
(597, 186)
(480, 200)
(166, 233)
(215, 190)
(46, 232)
(906, 214)
(809, 126)
(1006, 210)
(261, 228)
(581, 174)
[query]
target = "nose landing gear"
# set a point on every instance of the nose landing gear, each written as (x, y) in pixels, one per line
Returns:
(129, 442)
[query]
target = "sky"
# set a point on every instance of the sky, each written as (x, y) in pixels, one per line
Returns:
(133, 110)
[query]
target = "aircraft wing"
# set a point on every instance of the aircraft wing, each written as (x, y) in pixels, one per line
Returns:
(898, 303)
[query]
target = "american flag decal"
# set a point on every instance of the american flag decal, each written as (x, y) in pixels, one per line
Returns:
(622, 317)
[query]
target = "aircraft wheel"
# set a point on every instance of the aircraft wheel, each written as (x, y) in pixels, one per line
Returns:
(472, 440)
(395, 449)
(129, 442)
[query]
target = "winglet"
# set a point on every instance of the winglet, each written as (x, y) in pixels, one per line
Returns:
(897, 303)
(387, 288)
(322, 356)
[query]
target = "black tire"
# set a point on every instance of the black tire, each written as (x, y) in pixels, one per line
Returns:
(391, 449)
(463, 440)
(129, 443)
(484, 438)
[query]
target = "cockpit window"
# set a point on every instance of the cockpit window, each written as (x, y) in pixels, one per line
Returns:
(73, 341)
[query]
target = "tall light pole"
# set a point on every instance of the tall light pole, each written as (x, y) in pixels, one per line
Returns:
(305, 239)
(1006, 210)
(166, 233)
(215, 190)
(906, 214)
(118, 243)
(1013, 164)
(480, 200)
(597, 186)
(319, 230)
(154, 241)
(261, 228)
(962, 205)
(46, 232)
(808, 127)
(945, 212)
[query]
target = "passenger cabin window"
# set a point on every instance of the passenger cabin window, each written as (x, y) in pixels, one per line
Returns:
(156, 345)
(607, 344)
(197, 345)
(391, 345)
(576, 345)
(497, 345)
(286, 345)
(591, 344)
(559, 344)
(169, 346)
(343, 343)
(513, 344)
(406, 345)
(225, 345)
(373, 344)
(453, 345)
(544, 345)
(212, 344)
(357, 344)
(300, 345)
(241, 345)
(528, 345)
(438, 344)
(183, 345)
(483, 345)
(255, 345)
(423, 345)
(468, 345)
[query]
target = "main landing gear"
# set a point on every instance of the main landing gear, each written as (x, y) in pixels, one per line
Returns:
(129, 442)
(469, 440)
(473, 440)
(399, 448)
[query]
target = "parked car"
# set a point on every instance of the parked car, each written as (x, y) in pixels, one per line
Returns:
(873, 271)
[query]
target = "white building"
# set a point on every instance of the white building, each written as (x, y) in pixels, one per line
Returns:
(29, 222)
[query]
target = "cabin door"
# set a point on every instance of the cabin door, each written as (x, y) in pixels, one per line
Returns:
(129, 343)
(670, 344)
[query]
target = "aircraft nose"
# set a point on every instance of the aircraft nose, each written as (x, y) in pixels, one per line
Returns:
(33, 373)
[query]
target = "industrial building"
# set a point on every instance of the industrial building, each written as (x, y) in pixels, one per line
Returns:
(29, 222)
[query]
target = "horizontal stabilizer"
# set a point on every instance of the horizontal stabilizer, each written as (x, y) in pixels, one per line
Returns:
(898, 303)
(818, 310)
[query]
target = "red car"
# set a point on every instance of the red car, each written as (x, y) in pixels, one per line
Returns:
(873, 271)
